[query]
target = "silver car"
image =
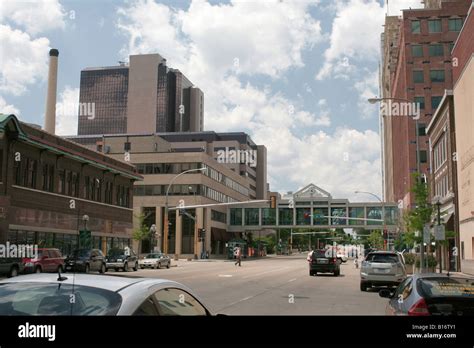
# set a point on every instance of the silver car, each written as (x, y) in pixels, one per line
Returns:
(155, 260)
(88, 294)
(382, 268)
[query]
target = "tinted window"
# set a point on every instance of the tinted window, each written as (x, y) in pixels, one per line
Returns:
(81, 253)
(153, 256)
(54, 299)
(319, 253)
(442, 287)
(178, 302)
(388, 258)
(147, 308)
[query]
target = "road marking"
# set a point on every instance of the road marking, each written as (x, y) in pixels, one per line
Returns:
(225, 275)
(273, 270)
(242, 300)
(291, 280)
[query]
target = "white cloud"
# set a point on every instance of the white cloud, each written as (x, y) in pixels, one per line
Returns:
(355, 34)
(33, 16)
(23, 60)
(367, 88)
(66, 111)
(215, 45)
(8, 108)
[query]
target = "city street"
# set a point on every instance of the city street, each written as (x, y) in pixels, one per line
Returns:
(271, 286)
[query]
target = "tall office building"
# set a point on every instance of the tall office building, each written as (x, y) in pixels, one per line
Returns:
(141, 97)
(416, 67)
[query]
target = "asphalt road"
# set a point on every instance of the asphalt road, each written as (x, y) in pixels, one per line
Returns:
(271, 286)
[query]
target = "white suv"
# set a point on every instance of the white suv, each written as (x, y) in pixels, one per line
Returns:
(382, 268)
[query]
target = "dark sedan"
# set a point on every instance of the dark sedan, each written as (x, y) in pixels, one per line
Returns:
(86, 260)
(323, 261)
(431, 294)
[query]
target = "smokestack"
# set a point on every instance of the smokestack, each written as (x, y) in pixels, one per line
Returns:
(50, 115)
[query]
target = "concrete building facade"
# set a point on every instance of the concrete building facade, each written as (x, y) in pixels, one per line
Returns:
(140, 97)
(463, 92)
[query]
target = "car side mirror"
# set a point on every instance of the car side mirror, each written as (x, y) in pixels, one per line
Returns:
(385, 293)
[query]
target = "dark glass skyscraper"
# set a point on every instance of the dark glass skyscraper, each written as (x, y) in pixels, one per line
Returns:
(140, 97)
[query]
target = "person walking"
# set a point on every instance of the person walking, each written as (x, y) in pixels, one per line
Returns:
(238, 256)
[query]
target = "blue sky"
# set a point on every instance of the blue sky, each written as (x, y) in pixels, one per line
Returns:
(295, 74)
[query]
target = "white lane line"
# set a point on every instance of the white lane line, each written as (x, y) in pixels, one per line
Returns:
(225, 275)
(244, 299)
(266, 272)
(291, 280)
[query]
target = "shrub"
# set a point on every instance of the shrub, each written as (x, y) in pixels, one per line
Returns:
(409, 258)
(432, 262)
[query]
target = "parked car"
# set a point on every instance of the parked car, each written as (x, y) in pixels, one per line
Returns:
(155, 260)
(321, 261)
(86, 260)
(382, 268)
(10, 266)
(48, 260)
(123, 259)
(46, 294)
(431, 294)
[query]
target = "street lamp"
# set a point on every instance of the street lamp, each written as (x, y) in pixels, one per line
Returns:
(438, 246)
(152, 233)
(166, 225)
(383, 214)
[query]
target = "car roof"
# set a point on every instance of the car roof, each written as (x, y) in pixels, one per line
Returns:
(107, 282)
(440, 275)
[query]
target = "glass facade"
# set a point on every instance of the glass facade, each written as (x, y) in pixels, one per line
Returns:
(356, 212)
(236, 216)
(374, 213)
(268, 216)
(285, 216)
(107, 89)
(251, 216)
(303, 216)
(319, 216)
(338, 212)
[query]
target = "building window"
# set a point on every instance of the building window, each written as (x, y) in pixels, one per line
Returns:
(423, 156)
(418, 76)
(421, 102)
(62, 181)
(455, 24)
(451, 46)
(435, 100)
(437, 75)
(417, 51)
(434, 26)
(436, 50)
(421, 129)
(218, 216)
(440, 153)
(415, 27)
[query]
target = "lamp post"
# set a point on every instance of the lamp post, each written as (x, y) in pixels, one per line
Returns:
(383, 214)
(85, 219)
(166, 224)
(152, 233)
(438, 246)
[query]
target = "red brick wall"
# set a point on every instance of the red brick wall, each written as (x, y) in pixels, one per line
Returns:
(464, 46)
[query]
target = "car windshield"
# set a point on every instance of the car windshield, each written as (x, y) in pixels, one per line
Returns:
(382, 258)
(446, 287)
(55, 299)
(153, 256)
(81, 253)
(319, 253)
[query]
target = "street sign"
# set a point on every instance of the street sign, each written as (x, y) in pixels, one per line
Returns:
(426, 234)
(439, 232)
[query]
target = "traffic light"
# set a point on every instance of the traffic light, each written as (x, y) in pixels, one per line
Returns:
(201, 233)
(273, 201)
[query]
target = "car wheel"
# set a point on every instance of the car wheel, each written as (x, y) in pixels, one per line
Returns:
(337, 273)
(87, 268)
(159, 265)
(38, 269)
(102, 269)
(363, 286)
(125, 267)
(169, 264)
(13, 272)
(136, 267)
(311, 273)
(141, 267)
(116, 269)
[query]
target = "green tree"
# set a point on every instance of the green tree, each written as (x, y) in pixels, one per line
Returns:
(375, 240)
(141, 232)
(417, 217)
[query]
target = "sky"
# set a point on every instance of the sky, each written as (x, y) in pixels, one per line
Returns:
(295, 75)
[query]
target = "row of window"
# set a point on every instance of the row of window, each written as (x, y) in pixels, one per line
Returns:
(26, 172)
(177, 168)
(434, 50)
(435, 76)
(65, 242)
(441, 187)
(436, 25)
(320, 216)
(440, 153)
(435, 100)
(218, 216)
